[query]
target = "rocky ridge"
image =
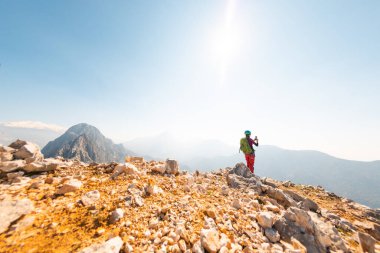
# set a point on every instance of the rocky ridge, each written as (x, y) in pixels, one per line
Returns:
(59, 205)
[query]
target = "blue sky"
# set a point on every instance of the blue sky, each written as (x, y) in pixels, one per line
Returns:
(300, 74)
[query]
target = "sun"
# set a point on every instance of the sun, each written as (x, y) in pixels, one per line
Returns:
(226, 40)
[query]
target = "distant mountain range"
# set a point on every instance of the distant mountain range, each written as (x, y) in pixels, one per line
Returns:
(353, 179)
(86, 143)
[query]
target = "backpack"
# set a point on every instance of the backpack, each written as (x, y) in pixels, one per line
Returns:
(244, 146)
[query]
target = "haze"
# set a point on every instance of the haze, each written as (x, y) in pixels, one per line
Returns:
(299, 74)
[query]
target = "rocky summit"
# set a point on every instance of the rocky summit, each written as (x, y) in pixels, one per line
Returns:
(85, 143)
(62, 205)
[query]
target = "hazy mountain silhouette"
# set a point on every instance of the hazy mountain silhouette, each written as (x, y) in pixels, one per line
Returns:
(353, 179)
(86, 143)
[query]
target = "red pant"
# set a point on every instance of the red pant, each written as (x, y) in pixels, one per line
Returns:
(250, 162)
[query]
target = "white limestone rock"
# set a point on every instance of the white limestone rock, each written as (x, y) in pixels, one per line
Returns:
(265, 219)
(210, 240)
(70, 186)
(197, 247)
(367, 242)
(6, 156)
(11, 166)
(327, 235)
(111, 246)
(160, 168)
(11, 176)
(28, 150)
(127, 168)
(35, 167)
(171, 167)
(116, 215)
(12, 210)
(90, 198)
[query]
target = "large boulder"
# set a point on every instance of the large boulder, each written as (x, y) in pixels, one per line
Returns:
(301, 217)
(12, 210)
(265, 219)
(281, 197)
(312, 232)
(289, 230)
(326, 236)
(28, 151)
(11, 166)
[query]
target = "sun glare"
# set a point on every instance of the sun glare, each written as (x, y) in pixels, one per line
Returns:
(226, 40)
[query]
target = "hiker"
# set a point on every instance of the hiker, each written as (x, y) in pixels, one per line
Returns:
(246, 145)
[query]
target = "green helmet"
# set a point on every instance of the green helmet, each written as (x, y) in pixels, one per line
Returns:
(247, 132)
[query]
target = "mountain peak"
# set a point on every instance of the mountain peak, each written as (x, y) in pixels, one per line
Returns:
(86, 143)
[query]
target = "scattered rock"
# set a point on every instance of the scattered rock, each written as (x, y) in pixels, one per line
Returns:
(309, 205)
(152, 189)
(225, 190)
(272, 235)
(35, 185)
(265, 219)
(197, 247)
(116, 215)
(236, 203)
(12, 210)
(70, 186)
(127, 168)
(90, 198)
(211, 213)
(272, 208)
(160, 168)
(282, 198)
(171, 167)
(210, 240)
(128, 248)
(288, 184)
(111, 246)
